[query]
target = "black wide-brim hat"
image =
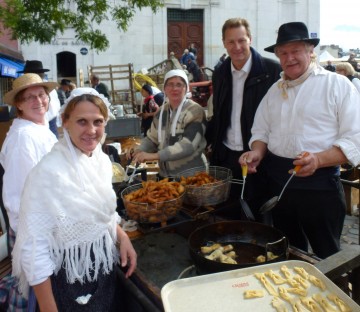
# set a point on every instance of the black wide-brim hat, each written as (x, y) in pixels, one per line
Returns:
(33, 67)
(294, 31)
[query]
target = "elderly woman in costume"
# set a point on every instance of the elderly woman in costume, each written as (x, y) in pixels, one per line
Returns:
(27, 141)
(176, 137)
(69, 230)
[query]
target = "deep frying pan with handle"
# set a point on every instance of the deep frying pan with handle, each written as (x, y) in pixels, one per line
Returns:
(272, 202)
(249, 239)
(244, 205)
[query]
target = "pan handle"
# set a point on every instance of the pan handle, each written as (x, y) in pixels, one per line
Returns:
(282, 244)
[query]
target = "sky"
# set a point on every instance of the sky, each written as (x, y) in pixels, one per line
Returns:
(340, 23)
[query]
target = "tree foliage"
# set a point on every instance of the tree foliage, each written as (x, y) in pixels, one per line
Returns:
(42, 20)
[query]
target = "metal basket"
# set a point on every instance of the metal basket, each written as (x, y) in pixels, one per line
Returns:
(208, 194)
(151, 213)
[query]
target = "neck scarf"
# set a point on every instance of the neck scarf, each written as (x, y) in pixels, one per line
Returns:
(284, 83)
(174, 121)
(75, 214)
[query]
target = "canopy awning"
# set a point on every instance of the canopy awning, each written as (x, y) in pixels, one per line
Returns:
(10, 68)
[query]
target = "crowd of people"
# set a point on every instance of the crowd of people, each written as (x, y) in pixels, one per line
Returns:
(268, 115)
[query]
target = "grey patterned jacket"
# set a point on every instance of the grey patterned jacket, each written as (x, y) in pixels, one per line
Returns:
(182, 151)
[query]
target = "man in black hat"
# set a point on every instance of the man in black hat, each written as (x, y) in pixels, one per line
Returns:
(36, 67)
(310, 118)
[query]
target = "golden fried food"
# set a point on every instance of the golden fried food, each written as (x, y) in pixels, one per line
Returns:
(324, 303)
(220, 253)
(276, 278)
(154, 192)
(262, 258)
(249, 294)
(343, 307)
(317, 282)
(271, 290)
(279, 305)
(310, 304)
(155, 201)
(198, 179)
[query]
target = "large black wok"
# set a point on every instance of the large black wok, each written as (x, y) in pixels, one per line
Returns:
(250, 239)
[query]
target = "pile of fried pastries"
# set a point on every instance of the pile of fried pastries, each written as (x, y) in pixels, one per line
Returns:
(155, 201)
(290, 289)
(202, 189)
(199, 179)
(220, 253)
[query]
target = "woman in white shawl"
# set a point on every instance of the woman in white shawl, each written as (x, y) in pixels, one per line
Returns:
(68, 228)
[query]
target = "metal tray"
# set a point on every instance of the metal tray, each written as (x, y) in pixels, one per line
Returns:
(224, 291)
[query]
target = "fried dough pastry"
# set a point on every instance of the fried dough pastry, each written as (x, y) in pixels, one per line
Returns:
(250, 294)
(317, 282)
(200, 178)
(303, 282)
(302, 272)
(223, 254)
(153, 192)
(310, 304)
(324, 303)
(276, 278)
(297, 291)
(209, 249)
(343, 307)
(284, 294)
(262, 278)
(279, 305)
(285, 270)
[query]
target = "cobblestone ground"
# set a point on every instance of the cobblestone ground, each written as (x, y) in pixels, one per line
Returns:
(350, 234)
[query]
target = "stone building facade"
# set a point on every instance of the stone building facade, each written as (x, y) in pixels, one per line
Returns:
(151, 37)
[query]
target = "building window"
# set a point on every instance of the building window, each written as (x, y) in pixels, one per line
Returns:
(175, 15)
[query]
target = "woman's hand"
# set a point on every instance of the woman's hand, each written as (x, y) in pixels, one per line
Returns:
(140, 157)
(127, 252)
(130, 154)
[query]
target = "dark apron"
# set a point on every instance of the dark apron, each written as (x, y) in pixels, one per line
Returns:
(102, 291)
(277, 169)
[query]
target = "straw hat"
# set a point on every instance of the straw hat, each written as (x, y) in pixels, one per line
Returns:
(26, 81)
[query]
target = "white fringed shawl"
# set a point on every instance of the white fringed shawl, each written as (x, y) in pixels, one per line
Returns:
(70, 204)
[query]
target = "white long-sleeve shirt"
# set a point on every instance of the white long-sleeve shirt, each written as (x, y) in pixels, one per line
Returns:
(25, 144)
(322, 112)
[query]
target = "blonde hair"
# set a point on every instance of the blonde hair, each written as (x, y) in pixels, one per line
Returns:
(308, 46)
(235, 23)
(347, 68)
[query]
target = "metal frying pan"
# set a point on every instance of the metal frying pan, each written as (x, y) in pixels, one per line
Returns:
(271, 203)
(249, 239)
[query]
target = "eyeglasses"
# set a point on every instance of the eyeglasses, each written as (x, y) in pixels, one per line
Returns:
(33, 98)
(175, 85)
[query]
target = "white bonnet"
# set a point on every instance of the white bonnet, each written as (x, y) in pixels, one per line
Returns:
(177, 73)
(86, 90)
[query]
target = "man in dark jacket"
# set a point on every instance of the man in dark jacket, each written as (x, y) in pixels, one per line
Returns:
(100, 87)
(239, 85)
